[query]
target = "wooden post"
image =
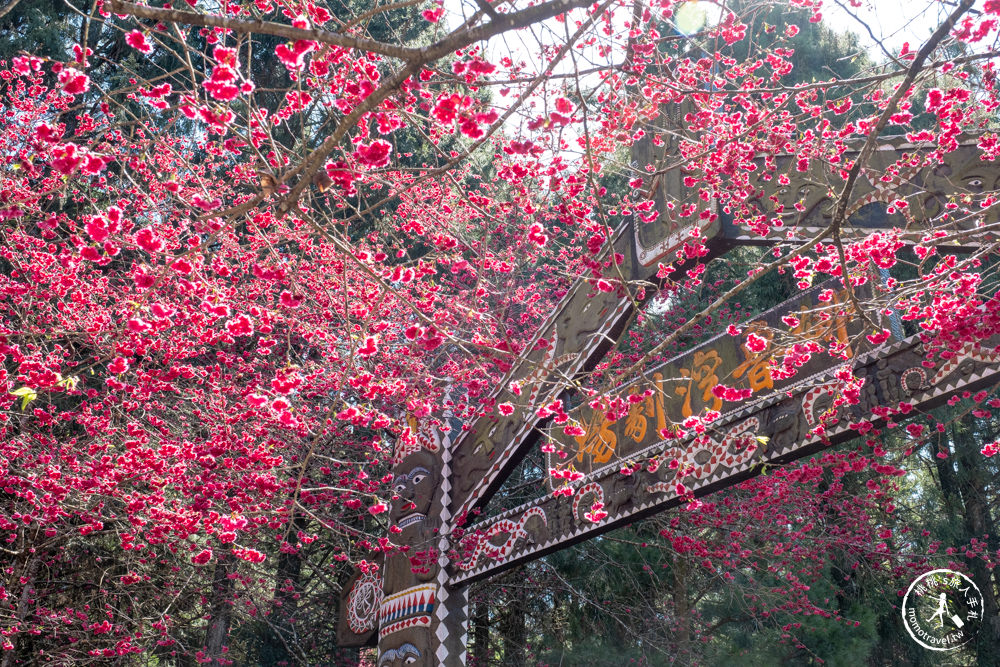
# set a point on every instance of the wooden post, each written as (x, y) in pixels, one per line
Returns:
(420, 618)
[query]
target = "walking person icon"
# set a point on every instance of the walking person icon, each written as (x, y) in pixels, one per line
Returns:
(942, 608)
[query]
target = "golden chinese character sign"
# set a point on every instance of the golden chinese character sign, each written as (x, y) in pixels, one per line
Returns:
(791, 423)
(783, 346)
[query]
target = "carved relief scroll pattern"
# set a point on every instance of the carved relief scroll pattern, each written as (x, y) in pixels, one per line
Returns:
(532, 526)
(363, 602)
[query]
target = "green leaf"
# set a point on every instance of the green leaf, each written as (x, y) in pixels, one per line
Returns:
(27, 395)
(68, 383)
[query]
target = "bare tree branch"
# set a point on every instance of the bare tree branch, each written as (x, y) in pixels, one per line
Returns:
(261, 27)
(9, 6)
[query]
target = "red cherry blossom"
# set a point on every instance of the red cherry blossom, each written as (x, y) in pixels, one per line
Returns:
(202, 557)
(368, 347)
(73, 81)
(756, 343)
(374, 155)
(137, 40)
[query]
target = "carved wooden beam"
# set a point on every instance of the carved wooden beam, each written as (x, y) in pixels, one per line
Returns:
(796, 422)
(898, 171)
(588, 323)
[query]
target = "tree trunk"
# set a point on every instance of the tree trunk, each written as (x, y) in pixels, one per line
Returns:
(978, 523)
(220, 613)
(947, 481)
(514, 630)
(682, 608)
(287, 588)
(481, 633)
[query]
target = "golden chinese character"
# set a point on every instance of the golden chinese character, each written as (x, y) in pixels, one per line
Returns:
(702, 374)
(819, 325)
(637, 421)
(599, 441)
(757, 365)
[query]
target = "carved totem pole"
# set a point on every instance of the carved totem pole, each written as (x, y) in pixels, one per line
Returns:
(410, 577)
(404, 599)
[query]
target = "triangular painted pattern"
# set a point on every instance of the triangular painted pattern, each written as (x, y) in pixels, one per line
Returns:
(415, 622)
(411, 602)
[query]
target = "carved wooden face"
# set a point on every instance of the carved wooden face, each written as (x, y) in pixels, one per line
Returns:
(416, 481)
(405, 654)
